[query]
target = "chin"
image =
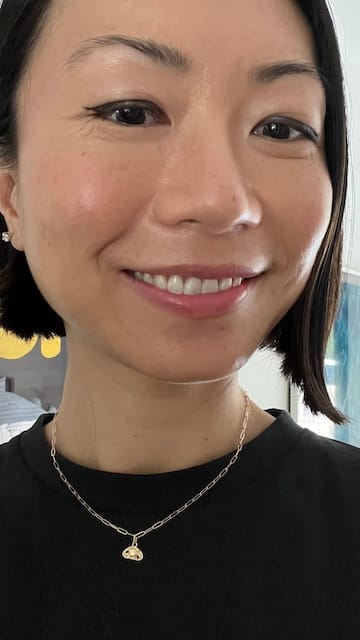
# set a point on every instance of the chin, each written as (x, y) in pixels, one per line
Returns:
(198, 371)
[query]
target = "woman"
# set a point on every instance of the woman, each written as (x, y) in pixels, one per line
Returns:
(173, 199)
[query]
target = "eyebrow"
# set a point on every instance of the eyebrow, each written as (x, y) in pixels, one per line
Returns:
(172, 58)
(160, 53)
(271, 72)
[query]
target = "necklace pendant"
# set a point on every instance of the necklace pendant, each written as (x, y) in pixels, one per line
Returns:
(133, 552)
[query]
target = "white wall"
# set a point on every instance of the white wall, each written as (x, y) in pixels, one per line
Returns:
(262, 379)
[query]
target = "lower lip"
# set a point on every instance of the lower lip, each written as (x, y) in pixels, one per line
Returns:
(211, 305)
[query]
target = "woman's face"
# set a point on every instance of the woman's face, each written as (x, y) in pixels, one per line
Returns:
(204, 175)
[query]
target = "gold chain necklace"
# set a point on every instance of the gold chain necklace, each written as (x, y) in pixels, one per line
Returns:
(134, 552)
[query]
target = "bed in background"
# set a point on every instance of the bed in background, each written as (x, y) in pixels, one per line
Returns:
(17, 414)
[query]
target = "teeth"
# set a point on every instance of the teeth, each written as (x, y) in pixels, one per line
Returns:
(192, 287)
(189, 287)
(210, 286)
(226, 283)
(148, 278)
(175, 285)
(161, 282)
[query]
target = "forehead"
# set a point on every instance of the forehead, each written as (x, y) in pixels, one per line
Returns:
(211, 32)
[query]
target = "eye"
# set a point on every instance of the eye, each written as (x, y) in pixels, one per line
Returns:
(129, 113)
(282, 129)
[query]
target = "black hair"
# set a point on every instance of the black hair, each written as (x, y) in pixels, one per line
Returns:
(301, 337)
(23, 310)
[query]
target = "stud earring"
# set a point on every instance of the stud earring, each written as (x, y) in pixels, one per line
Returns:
(6, 236)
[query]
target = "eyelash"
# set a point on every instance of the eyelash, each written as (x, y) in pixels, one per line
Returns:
(104, 111)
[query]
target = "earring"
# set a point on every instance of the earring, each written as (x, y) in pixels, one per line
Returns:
(6, 236)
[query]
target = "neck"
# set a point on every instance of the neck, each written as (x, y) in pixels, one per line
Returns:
(128, 423)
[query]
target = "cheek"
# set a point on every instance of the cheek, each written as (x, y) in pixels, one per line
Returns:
(313, 220)
(301, 208)
(82, 199)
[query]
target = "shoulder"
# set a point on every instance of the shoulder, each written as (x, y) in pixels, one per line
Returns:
(327, 469)
(335, 453)
(317, 468)
(10, 456)
(13, 466)
(12, 476)
(316, 448)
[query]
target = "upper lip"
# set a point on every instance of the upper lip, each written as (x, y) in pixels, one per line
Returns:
(202, 271)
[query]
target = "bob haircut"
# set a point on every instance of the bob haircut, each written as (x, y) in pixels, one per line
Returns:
(301, 337)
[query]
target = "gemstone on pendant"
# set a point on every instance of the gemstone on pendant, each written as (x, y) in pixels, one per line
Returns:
(133, 553)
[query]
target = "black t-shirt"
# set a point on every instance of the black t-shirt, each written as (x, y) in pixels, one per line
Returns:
(271, 552)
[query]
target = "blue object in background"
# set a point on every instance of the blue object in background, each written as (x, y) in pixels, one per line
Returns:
(344, 375)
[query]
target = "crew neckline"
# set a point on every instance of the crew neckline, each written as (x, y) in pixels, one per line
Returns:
(121, 492)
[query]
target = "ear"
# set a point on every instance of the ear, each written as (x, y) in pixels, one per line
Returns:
(9, 207)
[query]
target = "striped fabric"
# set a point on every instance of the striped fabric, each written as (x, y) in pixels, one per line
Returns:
(16, 415)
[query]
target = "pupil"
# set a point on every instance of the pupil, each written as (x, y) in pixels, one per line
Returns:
(131, 115)
(278, 130)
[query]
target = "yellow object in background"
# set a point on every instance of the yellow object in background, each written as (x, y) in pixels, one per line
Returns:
(13, 348)
(50, 348)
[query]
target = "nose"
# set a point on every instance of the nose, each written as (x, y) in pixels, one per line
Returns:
(206, 182)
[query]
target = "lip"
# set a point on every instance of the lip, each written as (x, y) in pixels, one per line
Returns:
(212, 305)
(204, 272)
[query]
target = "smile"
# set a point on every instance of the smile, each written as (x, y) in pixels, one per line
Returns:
(190, 286)
(206, 304)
